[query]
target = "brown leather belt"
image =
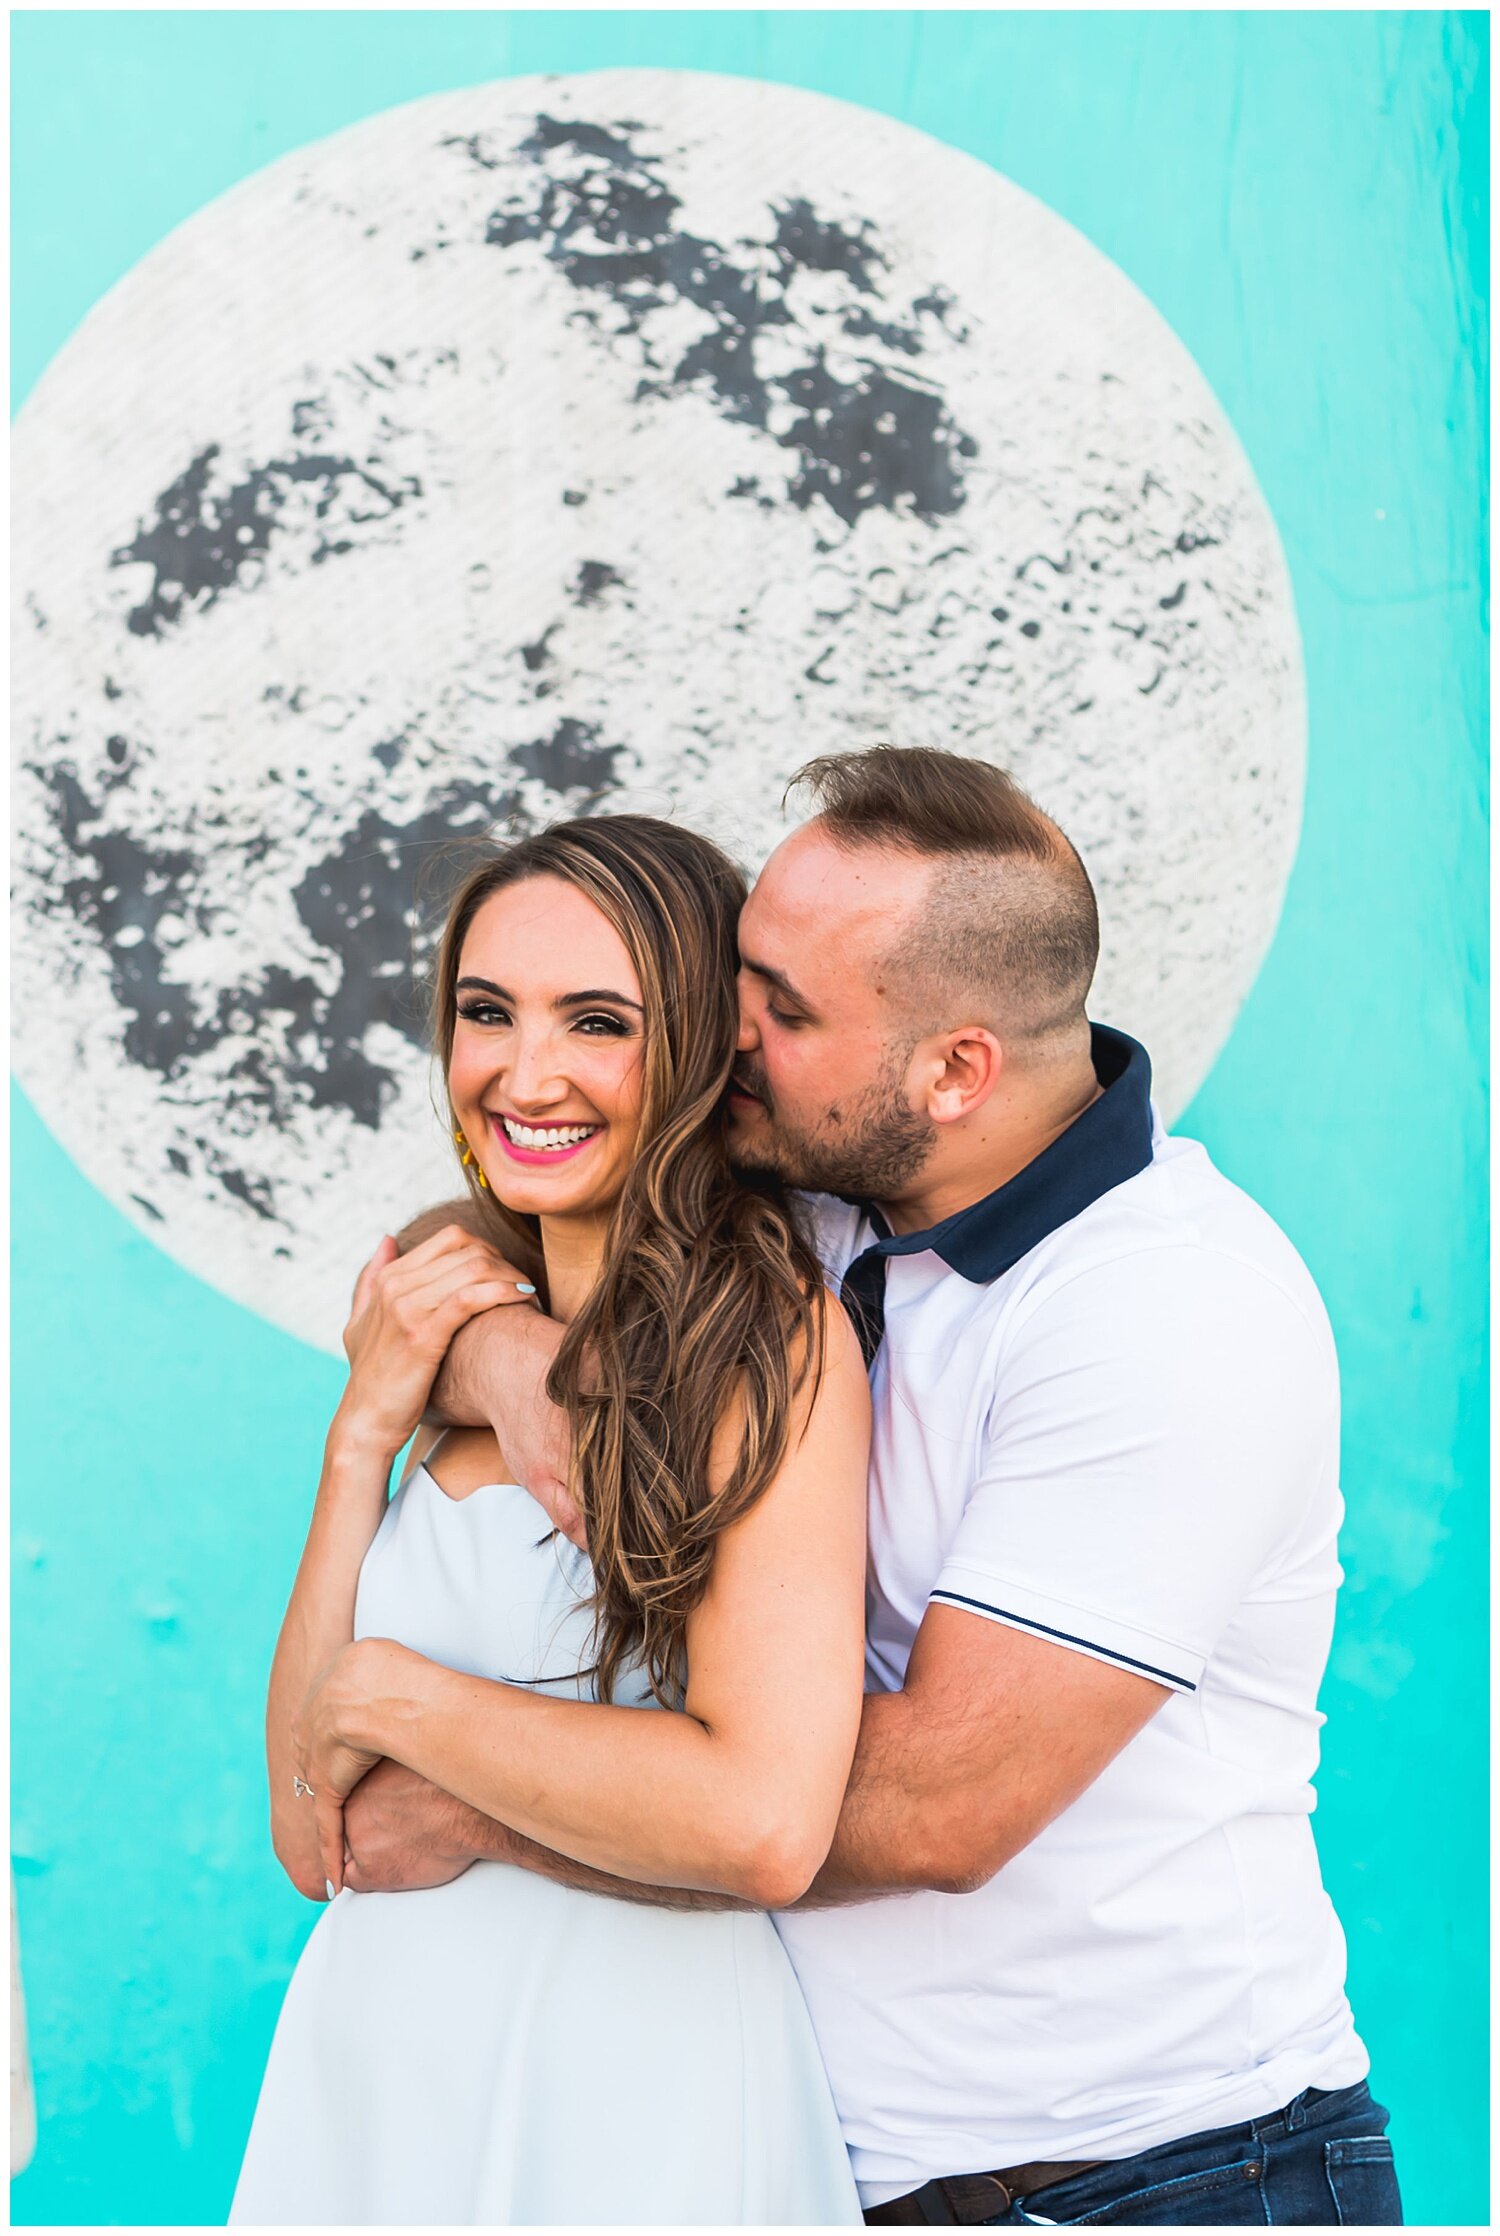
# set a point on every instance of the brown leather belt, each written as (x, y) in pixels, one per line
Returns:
(971, 2199)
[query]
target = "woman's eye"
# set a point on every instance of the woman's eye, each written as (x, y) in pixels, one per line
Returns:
(603, 1023)
(483, 1013)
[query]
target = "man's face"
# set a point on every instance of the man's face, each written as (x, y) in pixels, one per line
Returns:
(821, 1096)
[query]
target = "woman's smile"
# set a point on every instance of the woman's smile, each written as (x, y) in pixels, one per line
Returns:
(530, 1143)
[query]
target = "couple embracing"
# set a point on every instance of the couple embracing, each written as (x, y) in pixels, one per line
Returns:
(826, 1728)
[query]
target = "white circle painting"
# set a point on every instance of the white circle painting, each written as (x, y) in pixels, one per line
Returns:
(615, 439)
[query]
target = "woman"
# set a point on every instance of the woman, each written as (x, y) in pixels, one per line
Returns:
(679, 1705)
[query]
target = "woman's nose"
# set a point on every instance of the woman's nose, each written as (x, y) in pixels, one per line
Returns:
(532, 1079)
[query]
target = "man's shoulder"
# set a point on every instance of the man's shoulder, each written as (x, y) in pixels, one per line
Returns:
(1181, 1226)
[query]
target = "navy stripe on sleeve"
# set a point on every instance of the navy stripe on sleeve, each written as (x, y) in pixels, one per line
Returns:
(1108, 1653)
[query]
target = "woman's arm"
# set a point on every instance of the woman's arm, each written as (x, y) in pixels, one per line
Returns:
(318, 1621)
(404, 1314)
(740, 1794)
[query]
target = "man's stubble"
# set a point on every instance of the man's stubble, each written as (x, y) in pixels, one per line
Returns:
(867, 1148)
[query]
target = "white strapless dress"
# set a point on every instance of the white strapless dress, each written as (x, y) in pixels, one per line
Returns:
(507, 2050)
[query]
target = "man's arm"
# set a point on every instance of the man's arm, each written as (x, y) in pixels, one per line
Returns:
(994, 1734)
(495, 1376)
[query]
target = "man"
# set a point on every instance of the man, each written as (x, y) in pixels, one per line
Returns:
(1070, 1956)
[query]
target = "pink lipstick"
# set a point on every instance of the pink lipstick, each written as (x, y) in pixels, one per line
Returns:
(537, 1157)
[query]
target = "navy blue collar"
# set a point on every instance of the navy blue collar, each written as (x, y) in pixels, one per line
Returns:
(1108, 1143)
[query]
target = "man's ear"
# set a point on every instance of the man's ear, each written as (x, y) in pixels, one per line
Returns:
(967, 1068)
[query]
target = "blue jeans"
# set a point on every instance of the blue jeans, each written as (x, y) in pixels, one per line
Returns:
(1321, 2162)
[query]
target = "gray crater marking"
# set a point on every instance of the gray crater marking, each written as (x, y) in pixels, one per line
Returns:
(571, 761)
(610, 227)
(200, 544)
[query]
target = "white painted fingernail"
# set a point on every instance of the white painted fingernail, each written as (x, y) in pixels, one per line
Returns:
(527, 1288)
(328, 1883)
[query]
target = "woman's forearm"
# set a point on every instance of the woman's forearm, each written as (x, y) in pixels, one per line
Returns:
(639, 1793)
(319, 1620)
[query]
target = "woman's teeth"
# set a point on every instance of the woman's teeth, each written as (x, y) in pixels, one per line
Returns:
(545, 1137)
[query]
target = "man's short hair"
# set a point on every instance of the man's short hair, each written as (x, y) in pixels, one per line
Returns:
(1009, 923)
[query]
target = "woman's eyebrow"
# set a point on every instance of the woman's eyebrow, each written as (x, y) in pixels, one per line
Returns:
(597, 994)
(563, 1001)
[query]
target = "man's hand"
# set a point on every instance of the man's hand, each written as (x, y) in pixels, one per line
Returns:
(401, 1832)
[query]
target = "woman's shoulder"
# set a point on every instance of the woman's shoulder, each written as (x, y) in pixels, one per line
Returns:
(831, 1329)
(828, 1378)
(843, 1361)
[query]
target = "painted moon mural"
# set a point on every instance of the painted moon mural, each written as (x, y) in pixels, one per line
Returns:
(621, 439)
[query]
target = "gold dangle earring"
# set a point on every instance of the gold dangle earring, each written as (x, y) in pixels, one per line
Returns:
(469, 1156)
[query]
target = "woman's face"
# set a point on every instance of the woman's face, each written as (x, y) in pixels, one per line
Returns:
(546, 1073)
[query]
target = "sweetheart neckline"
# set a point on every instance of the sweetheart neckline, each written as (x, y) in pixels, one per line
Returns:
(448, 1498)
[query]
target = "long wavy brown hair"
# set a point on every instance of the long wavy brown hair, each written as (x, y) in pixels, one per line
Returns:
(707, 1308)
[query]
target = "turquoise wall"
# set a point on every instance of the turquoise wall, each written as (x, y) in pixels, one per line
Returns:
(1303, 197)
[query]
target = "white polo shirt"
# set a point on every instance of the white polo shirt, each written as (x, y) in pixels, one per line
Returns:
(1107, 1414)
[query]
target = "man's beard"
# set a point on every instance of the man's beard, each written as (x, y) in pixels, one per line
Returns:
(880, 1143)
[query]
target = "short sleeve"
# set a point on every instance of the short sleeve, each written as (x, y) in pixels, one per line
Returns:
(1165, 1421)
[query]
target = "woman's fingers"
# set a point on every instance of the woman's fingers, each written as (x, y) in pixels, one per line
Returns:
(432, 1290)
(484, 1295)
(437, 1245)
(384, 1254)
(443, 1244)
(411, 1274)
(443, 1314)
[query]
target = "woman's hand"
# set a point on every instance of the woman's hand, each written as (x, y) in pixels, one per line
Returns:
(406, 1312)
(325, 1744)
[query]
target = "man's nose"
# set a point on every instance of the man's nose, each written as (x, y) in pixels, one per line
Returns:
(749, 1031)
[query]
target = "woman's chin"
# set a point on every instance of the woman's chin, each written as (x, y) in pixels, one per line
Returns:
(543, 1195)
(541, 1203)
(577, 1181)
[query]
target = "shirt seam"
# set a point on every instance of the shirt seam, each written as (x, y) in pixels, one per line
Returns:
(1247, 1936)
(1073, 1641)
(1073, 1606)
